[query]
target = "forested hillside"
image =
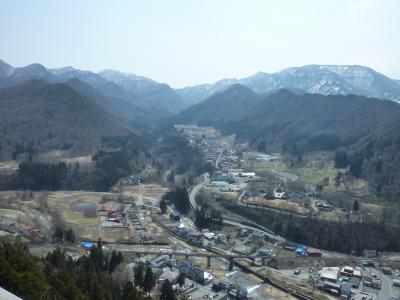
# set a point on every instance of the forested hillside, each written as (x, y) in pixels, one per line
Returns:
(130, 116)
(127, 155)
(39, 116)
(285, 119)
(58, 277)
(221, 108)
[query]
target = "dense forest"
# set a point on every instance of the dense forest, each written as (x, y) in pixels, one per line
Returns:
(352, 234)
(179, 198)
(180, 155)
(58, 277)
(121, 157)
(377, 160)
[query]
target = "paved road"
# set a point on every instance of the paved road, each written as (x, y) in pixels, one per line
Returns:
(187, 252)
(196, 189)
(312, 205)
(386, 291)
(219, 157)
(240, 225)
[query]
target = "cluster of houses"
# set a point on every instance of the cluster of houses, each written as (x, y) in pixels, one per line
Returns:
(225, 181)
(216, 152)
(137, 221)
(227, 158)
(142, 230)
(340, 281)
(195, 236)
(165, 267)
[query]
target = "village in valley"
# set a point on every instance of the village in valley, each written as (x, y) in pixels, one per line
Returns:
(233, 257)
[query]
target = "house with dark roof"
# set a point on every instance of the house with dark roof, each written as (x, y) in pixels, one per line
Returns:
(175, 216)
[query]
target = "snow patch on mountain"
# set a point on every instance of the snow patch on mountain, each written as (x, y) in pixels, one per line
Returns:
(316, 79)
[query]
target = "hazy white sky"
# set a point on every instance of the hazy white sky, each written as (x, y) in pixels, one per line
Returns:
(184, 42)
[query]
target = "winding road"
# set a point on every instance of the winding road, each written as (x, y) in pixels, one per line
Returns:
(196, 189)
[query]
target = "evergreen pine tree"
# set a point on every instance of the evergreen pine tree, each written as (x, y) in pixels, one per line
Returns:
(149, 281)
(139, 275)
(181, 279)
(356, 205)
(163, 206)
(113, 262)
(167, 292)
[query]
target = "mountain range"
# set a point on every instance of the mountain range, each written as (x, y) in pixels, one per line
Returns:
(315, 107)
(312, 103)
(166, 101)
(284, 116)
(314, 79)
(139, 91)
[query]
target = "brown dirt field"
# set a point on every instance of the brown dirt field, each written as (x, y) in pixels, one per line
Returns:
(231, 195)
(14, 215)
(64, 156)
(147, 189)
(151, 193)
(114, 235)
(63, 201)
(111, 206)
(291, 263)
(279, 204)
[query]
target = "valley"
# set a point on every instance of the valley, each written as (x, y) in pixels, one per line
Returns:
(192, 150)
(231, 243)
(249, 194)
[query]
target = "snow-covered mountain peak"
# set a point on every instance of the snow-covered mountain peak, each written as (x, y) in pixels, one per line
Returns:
(318, 79)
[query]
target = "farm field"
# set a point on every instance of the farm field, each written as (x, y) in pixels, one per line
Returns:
(313, 169)
(279, 204)
(151, 193)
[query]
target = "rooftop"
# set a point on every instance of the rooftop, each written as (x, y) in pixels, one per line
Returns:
(313, 250)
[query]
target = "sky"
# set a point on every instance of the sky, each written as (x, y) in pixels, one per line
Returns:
(188, 42)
